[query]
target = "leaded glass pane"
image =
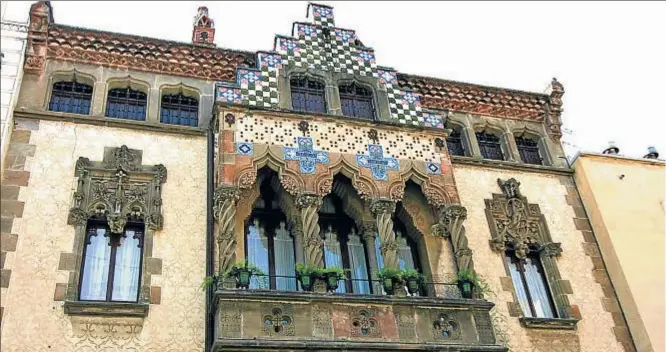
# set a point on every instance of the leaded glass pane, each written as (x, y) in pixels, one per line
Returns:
(71, 97)
(126, 103)
(490, 146)
(308, 95)
(454, 143)
(529, 151)
(356, 101)
(179, 109)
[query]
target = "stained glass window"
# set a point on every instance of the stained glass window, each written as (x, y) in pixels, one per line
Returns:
(308, 95)
(71, 97)
(126, 103)
(178, 109)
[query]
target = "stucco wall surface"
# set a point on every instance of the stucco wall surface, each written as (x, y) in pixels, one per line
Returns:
(625, 200)
(595, 331)
(32, 320)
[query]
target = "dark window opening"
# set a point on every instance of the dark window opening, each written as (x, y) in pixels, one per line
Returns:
(529, 280)
(71, 97)
(529, 151)
(178, 109)
(111, 269)
(308, 95)
(356, 101)
(126, 103)
(454, 143)
(490, 146)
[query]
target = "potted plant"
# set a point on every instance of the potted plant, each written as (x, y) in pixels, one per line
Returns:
(210, 281)
(333, 275)
(467, 281)
(389, 277)
(242, 271)
(307, 274)
(413, 280)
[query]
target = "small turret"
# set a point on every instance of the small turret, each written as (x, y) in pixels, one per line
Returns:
(203, 32)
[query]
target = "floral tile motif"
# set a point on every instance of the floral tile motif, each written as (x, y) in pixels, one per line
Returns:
(377, 163)
(306, 155)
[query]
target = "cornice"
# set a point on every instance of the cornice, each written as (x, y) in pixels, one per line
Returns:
(510, 165)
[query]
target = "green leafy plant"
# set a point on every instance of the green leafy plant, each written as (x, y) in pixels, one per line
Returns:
(469, 276)
(309, 270)
(335, 270)
(390, 273)
(243, 265)
(408, 274)
(209, 281)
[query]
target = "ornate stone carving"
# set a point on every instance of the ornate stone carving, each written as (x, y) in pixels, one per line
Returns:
(450, 224)
(290, 184)
(118, 189)
(247, 179)
(555, 111)
(517, 225)
(278, 320)
(224, 211)
(364, 323)
(397, 192)
(383, 211)
(230, 323)
(325, 187)
(434, 197)
(404, 317)
(308, 206)
(445, 326)
(322, 322)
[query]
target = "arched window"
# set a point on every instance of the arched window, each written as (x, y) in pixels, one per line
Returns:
(454, 142)
(531, 286)
(71, 97)
(179, 109)
(269, 244)
(308, 95)
(356, 101)
(408, 256)
(111, 263)
(490, 146)
(529, 151)
(342, 246)
(126, 103)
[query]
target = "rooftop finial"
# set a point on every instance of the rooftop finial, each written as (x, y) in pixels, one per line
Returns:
(652, 153)
(612, 149)
(203, 32)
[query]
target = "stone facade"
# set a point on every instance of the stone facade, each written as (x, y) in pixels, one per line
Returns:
(195, 188)
(624, 229)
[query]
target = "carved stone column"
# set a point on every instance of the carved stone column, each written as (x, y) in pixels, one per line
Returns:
(383, 211)
(308, 206)
(224, 210)
(296, 229)
(369, 234)
(450, 224)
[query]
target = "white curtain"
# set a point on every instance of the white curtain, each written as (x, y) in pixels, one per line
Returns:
(359, 269)
(378, 252)
(96, 267)
(332, 253)
(520, 288)
(257, 254)
(127, 268)
(284, 259)
(538, 289)
(404, 252)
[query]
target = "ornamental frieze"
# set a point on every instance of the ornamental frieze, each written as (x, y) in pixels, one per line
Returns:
(118, 189)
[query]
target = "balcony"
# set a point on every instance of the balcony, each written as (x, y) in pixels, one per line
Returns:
(258, 319)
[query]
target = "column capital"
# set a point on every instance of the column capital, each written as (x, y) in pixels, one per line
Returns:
(306, 200)
(382, 206)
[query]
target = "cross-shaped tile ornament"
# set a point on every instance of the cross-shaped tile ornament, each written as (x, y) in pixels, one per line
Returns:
(306, 155)
(377, 163)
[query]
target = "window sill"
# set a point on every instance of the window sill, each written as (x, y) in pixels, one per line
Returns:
(549, 323)
(109, 309)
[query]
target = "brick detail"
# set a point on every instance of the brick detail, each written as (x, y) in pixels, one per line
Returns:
(599, 272)
(154, 266)
(14, 177)
(60, 291)
(155, 295)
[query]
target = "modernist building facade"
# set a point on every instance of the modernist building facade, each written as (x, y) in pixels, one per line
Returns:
(151, 164)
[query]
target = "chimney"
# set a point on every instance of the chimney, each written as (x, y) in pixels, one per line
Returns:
(203, 32)
(612, 149)
(652, 153)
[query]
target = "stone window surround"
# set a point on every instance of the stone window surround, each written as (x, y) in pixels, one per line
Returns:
(507, 136)
(122, 82)
(332, 80)
(130, 162)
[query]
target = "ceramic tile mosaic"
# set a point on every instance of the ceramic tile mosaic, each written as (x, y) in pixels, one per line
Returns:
(337, 138)
(306, 155)
(243, 148)
(319, 45)
(377, 163)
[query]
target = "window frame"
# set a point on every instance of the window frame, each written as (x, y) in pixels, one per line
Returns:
(307, 91)
(100, 223)
(125, 101)
(525, 150)
(70, 94)
(520, 267)
(367, 95)
(179, 107)
(451, 139)
(484, 143)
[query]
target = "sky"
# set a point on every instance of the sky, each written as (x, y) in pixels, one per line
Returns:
(610, 56)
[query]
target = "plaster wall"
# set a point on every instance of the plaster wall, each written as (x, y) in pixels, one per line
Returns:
(595, 331)
(625, 202)
(32, 319)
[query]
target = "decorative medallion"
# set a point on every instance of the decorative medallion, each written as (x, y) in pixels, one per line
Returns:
(306, 155)
(377, 163)
(434, 168)
(364, 324)
(243, 148)
(445, 327)
(278, 320)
